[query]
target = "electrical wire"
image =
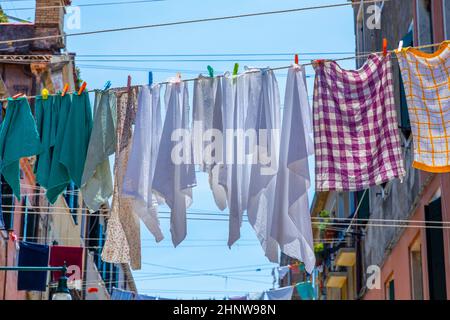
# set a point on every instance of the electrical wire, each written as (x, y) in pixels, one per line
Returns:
(185, 22)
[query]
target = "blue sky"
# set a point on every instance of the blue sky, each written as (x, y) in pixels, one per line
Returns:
(218, 271)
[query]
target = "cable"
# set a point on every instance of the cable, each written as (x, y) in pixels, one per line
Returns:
(83, 5)
(167, 24)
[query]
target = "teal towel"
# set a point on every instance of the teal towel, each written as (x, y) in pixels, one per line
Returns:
(59, 176)
(46, 121)
(77, 136)
(19, 138)
(305, 290)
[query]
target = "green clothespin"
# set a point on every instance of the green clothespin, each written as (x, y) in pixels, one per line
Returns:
(235, 71)
(211, 71)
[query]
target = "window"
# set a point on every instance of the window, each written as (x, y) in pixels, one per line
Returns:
(29, 222)
(435, 252)
(390, 289)
(446, 13)
(405, 123)
(415, 265)
(424, 23)
(7, 203)
(71, 196)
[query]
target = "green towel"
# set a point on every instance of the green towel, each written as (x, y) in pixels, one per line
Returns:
(59, 177)
(97, 184)
(305, 290)
(76, 137)
(19, 138)
(46, 120)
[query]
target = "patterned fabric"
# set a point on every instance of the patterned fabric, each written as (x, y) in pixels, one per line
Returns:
(426, 79)
(123, 239)
(355, 126)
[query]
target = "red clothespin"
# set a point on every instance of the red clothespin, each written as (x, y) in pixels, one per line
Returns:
(385, 43)
(92, 290)
(66, 87)
(13, 236)
(17, 95)
(83, 86)
(296, 59)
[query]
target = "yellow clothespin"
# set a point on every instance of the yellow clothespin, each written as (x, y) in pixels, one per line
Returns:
(44, 94)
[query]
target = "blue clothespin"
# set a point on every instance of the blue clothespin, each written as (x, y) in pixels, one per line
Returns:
(107, 85)
(210, 71)
(150, 78)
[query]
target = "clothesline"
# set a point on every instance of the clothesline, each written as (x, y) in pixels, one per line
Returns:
(158, 25)
(253, 71)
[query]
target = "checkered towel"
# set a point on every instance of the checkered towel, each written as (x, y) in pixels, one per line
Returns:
(355, 126)
(426, 79)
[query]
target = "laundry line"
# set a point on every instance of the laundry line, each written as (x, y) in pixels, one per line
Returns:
(255, 70)
(210, 213)
(185, 22)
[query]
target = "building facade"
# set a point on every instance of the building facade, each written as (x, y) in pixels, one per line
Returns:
(387, 260)
(28, 67)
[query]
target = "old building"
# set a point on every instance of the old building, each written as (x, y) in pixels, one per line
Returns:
(413, 261)
(27, 67)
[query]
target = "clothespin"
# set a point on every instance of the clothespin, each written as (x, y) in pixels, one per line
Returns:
(66, 87)
(17, 95)
(236, 69)
(44, 94)
(107, 85)
(150, 78)
(385, 47)
(83, 87)
(296, 59)
(210, 71)
(400, 46)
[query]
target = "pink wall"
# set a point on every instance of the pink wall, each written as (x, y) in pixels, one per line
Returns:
(397, 263)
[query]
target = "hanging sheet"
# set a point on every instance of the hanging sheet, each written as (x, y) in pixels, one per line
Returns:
(175, 175)
(426, 79)
(357, 142)
(97, 182)
(281, 293)
(138, 179)
(32, 255)
(123, 238)
(19, 138)
(207, 132)
(263, 119)
(291, 222)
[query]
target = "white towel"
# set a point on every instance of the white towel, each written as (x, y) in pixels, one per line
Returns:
(263, 117)
(291, 225)
(174, 178)
(207, 132)
(138, 179)
(280, 294)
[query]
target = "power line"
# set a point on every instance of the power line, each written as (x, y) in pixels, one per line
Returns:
(184, 22)
(82, 5)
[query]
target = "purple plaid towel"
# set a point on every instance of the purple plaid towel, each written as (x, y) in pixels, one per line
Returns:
(355, 126)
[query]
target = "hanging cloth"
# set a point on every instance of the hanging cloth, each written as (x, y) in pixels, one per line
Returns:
(123, 237)
(356, 138)
(207, 132)
(291, 225)
(19, 138)
(175, 178)
(305, 290)
(97, 185)
(234, 174)
(71, 256)
(59, 177)
(281, 293)
(76, 137)
(32, 255)
(138, 178)
(426, 79)
(46, 115)
(264, 120)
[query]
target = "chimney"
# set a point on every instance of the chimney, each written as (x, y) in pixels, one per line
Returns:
(49, 20)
